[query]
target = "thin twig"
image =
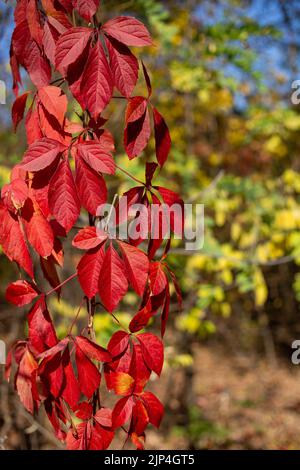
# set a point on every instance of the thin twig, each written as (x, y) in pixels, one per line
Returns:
(130, 175)
(47, 434)
(209, 188)
(61, 285)
(255, 262)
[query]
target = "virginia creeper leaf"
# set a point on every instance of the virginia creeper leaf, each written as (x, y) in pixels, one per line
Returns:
(96, 157)
(63, 200)
(124, 66)
(70, 46)
(89, 269)
(20, 293)
(113, 284)
(41, 154)
(128, 30)
(97, 82)
(153, 352)
(89, 238)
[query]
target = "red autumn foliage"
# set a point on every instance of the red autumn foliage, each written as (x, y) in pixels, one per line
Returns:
(60, 176)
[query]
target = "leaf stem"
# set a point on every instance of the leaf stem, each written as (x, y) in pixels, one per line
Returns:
(130, 175)
(60, 285)
(76, 316)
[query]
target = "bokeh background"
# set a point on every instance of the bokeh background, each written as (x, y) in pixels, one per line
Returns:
(222, 72)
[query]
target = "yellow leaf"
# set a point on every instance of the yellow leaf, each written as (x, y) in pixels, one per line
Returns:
(261, 290)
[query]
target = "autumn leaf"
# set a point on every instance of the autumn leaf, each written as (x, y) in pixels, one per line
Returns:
(20, 293)
(128, 30)
(63, 198)
(113, 283)
(97, 82)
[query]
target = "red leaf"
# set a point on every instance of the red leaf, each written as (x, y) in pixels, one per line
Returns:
(162, 138)
(154, 408)
(158, 278)
(139, 369)
(26, 381)
(70, 46)
(51, 410)
(50, 38)
(153, 351)
(91, 187)
(58, 18)
(147, 80)
(97, 82)
(12, 240)
(177, 288)
(20, 40)
(41, 332)
(124, 67)
(89, 269)
(86, 8)
(38, 229)
(106, 139)
(32, 124)
(48, 266)
(37, 65)
(52, 374)
(97, 157)
(81, 439)
(20, 11)
(70, 391)
(128, 30)
(141, 319)
(149, 173)
(174, 201)
(112, 281)
(88, 375)
(137, 266)
(40, 188)
(15, 70)
(122, 411)
(139, 422)
(120, 363)
(20, 293)
(15, 194)
(75, 75)
(165, 312)
(118, 343)
(101, 437)
(41, 154)
(121, 383)
(104, 417)
(131, 197)
(18, 109)
(89, 437)
(89, 238)
(92, 350)
(63, 200)
(34, 21)
(50, 127)
(40, 235)
(54, 350)
(58, 231)
(54, 101)
(137, 131)
(136, 109)
(84, 411)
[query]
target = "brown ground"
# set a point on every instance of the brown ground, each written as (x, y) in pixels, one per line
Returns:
(239, 403)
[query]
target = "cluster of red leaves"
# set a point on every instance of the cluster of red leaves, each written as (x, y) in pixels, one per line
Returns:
(61, 173)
